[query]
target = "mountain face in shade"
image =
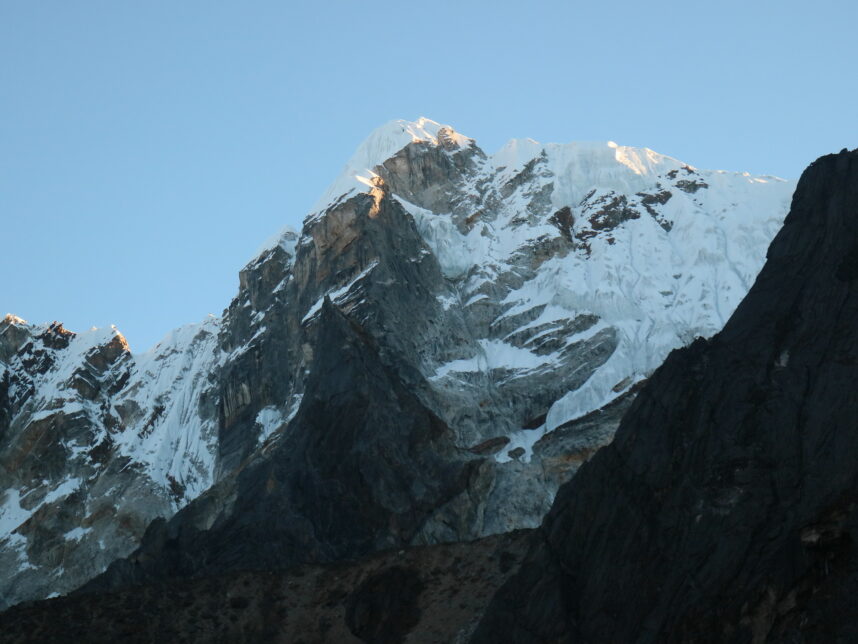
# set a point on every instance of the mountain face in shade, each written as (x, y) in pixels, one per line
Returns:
(447, 339)
(726, 508)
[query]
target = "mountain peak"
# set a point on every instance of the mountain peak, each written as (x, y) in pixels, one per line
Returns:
(521, 296)
(11, 318)
(423, 129)
(380, 145)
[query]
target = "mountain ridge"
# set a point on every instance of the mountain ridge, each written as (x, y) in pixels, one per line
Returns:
(724, 510)
(522, 320)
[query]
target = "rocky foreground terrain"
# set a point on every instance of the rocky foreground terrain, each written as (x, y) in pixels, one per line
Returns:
(421, 594)
(443, 344)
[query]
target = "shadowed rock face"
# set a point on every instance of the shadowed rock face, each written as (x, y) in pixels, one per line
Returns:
(367, 255)
(385, 607)
(367, 461)
(726, 509)
(361, 470)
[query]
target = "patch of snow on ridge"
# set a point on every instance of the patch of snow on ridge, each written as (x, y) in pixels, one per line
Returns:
(76, 534)
(286, 237)
(294, 406)
(67, 487)
(494, 354)
(339, 293)
(269, 419)
(12, 514)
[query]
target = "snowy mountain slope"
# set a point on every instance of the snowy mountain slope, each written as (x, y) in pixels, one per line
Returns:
(97, 443)
(520, 297)
(724, 510)
(638, 246)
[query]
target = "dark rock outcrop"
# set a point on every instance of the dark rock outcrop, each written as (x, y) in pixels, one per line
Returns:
(386, 606)
(726, 509)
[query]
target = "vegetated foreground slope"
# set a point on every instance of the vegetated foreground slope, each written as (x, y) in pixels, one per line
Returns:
(506, 308)
(423, 594)
(726, 508)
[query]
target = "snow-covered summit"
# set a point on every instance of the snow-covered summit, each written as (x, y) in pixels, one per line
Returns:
(11, 318)
(286, 238)
(656, 249)
(575, 168)
(379, 146)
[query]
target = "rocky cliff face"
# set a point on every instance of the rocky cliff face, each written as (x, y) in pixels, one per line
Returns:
(94, 444)
(449, 337)
(726, 508)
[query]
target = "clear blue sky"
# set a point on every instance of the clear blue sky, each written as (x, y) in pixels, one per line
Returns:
(148, 148)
